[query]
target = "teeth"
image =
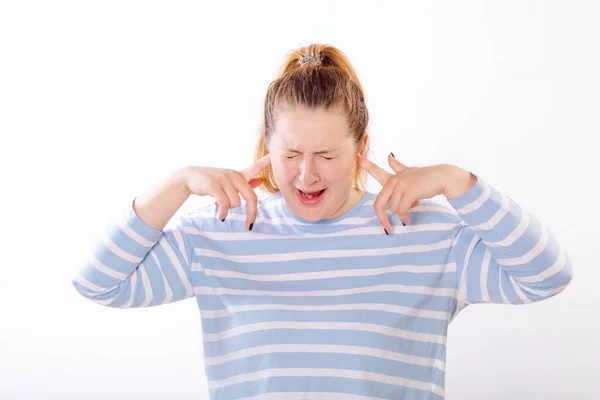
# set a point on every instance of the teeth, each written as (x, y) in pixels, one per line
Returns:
(310, 196)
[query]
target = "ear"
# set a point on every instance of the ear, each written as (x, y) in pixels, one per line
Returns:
(363, 147)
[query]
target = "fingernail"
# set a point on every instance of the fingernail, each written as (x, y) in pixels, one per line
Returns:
(251, 226)
(393, 155)
(386, 232)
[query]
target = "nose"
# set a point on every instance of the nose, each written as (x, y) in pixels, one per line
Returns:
(308, 172)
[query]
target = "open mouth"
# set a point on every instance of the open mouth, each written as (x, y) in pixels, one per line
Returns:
(310, 197)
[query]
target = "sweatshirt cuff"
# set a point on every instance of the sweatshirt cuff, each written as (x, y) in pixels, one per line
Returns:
(473, 194)
(133, 221)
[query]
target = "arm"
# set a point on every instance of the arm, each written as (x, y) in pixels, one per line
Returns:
(138, 264)
(503, 253)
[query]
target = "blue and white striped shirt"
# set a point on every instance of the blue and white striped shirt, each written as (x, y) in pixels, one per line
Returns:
(334, 309)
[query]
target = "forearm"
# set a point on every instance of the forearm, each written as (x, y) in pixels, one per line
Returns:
(457, 182)
(158, 204)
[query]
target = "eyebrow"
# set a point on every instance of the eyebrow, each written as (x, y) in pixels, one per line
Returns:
(316, 152)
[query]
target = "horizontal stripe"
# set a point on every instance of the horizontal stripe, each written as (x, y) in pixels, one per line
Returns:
(262, 258)
(372, 230)
(324, 337)
(355, 362)
(333, 274)
(412, 300)
(413, 312)
(376, 317)
(321, 384)
(429, 291)
(312, 348)
(317, 372)
(398, 333)
(309, 396)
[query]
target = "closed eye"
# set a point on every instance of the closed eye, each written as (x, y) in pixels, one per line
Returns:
(326, 158)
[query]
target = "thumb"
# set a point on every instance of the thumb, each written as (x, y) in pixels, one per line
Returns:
(396, 165)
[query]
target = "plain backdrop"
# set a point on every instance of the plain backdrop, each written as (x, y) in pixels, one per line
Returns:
(100, 100)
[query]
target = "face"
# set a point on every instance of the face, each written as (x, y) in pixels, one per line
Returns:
(314, 158)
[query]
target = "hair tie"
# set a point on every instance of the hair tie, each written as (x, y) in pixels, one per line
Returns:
(317, 60)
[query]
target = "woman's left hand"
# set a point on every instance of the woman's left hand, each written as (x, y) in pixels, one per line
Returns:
(403, 190)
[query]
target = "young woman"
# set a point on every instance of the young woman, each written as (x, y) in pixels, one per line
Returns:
(324, 290)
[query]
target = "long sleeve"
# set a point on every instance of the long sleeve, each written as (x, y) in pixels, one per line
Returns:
(504, 253)
(138, 266)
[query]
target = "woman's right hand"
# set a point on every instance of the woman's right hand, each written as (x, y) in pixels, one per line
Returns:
(226, 185)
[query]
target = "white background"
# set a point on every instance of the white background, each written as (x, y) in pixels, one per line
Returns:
(100, 100)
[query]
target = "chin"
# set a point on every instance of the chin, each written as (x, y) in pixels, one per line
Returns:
(311, 210)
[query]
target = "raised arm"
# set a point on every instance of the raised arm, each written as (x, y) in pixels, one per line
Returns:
(139, 263)
(504, 253)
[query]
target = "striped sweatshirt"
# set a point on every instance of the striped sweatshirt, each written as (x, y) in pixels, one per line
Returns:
(334, 309)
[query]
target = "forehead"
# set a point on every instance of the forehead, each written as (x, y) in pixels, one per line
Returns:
(300, 127)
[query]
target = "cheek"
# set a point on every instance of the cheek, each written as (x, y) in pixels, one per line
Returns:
(337, 172)
(283, 171)
(343, 170)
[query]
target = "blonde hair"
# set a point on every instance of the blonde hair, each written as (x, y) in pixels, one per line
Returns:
(317, 77)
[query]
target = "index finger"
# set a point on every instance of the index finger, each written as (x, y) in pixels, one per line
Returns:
(245, 189)
(256, 168)
(380, 174)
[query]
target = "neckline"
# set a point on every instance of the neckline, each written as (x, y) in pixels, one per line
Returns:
(348, 213)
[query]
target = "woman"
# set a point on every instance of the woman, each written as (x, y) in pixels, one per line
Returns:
(324, 290)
